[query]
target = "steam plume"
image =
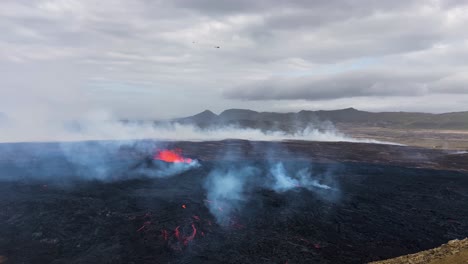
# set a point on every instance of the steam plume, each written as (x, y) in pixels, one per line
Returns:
(102, 126)
(226, 190)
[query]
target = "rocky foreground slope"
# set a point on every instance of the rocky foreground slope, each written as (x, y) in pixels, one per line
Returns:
(454, 252)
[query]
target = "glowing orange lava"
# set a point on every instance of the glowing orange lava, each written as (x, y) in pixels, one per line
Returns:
(173, 156)
(192, 236)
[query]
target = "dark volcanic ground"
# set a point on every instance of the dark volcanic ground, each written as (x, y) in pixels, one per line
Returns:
(386, 201)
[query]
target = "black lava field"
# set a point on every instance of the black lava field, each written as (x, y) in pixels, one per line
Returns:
(331, 203)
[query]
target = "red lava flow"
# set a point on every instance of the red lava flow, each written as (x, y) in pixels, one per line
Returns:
(172, 156)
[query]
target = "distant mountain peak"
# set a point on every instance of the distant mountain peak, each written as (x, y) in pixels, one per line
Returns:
(349, 109)
(238, 110)
(205, 114)
(238, 114)
(349, 116)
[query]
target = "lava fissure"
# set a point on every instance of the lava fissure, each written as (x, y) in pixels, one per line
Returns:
(171, 156)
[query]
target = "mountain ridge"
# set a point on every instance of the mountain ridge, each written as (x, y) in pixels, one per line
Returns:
(346, 116)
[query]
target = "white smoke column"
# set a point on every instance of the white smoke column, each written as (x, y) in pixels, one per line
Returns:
(303, 178)
(103, 126)
(282, 182)
(93, 160)
(306, 180)
(165, 169)
(226, 191)
(105, 160)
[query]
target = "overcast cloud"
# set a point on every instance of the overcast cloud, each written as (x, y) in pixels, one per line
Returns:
(158, 59)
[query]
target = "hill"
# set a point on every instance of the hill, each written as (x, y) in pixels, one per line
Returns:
(447, 130)
(348, 116)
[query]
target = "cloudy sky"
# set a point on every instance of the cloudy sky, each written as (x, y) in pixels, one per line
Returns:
(159, 59)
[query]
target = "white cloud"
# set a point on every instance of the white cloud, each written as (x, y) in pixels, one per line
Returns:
(157, 59)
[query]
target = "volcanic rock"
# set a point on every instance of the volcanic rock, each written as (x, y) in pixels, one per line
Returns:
(454, 252)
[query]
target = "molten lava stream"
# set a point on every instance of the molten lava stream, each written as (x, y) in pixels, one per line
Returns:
(192, 236)
(172, 156)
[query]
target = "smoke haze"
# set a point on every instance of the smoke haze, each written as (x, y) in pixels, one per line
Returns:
(102, 126)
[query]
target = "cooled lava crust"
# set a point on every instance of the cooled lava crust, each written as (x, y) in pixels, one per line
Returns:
(393, 200)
